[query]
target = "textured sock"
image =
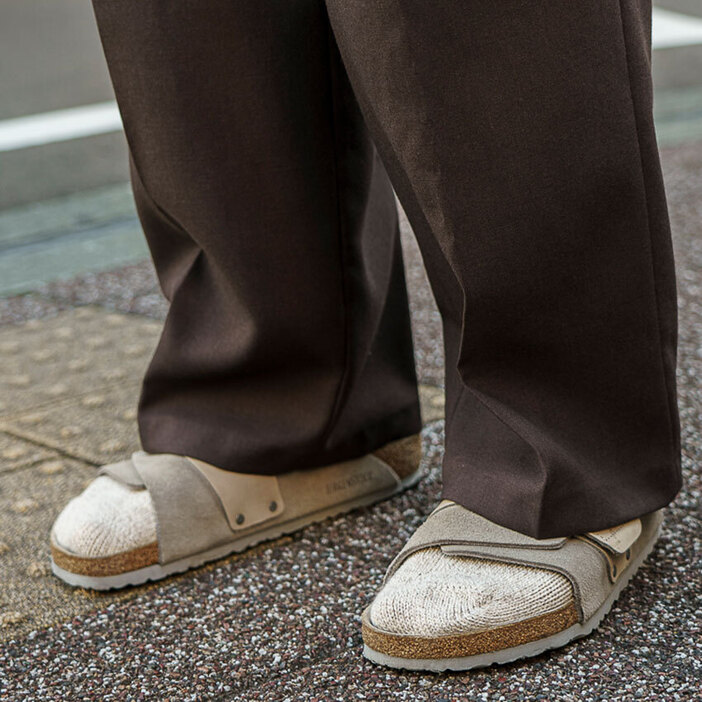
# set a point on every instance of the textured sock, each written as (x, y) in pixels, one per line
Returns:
(433, 594)
(106, 518)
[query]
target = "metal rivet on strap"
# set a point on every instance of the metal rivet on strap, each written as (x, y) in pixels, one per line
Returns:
(239, 518)
(273, 506)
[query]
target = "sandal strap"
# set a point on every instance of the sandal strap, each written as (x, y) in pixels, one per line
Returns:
(189, 514)
(123, 472)
(590, 567)
(199, 506)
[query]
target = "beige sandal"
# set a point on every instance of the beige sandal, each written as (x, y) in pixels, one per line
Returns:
(204, 513)
(598, 566)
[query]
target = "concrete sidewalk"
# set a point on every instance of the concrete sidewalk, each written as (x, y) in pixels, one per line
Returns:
(281, 622)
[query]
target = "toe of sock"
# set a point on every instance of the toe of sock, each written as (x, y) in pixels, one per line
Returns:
(107, 518)
(433, 594)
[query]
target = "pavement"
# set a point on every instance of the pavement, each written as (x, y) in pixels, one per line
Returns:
(281, 622)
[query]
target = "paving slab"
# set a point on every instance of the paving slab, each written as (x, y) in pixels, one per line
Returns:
(45, 362)
(19, 453)
(97, 426)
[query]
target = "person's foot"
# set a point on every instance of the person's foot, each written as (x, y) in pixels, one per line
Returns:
(154, 515)
(107, 518)
(466, 593)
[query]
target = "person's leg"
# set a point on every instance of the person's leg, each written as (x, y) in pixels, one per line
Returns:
(287, 351)
(274, 232)
(519, 138)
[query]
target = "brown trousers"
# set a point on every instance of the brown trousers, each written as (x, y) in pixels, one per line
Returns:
(518, 136)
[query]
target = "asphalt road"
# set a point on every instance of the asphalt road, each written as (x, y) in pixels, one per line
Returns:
(50, 59)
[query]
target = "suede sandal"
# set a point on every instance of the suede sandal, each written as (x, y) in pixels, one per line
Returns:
(598, 565)
(204, 513)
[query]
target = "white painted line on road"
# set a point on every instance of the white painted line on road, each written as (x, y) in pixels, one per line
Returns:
(59, 125)
(670, 29)
(674, 29)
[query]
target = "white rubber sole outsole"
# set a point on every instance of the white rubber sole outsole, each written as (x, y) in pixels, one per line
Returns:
(158, 572)
(527, 650)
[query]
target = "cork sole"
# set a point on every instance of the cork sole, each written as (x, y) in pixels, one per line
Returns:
(141, 565)
(496, 646)
(109, 565)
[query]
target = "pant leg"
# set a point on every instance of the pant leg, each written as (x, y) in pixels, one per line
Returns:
(519, 138)
(274, 232)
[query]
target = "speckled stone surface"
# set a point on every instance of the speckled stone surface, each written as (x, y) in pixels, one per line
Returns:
(283, 622)
(71, 382)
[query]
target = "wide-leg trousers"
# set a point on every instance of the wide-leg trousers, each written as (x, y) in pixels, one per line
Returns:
(266, 138)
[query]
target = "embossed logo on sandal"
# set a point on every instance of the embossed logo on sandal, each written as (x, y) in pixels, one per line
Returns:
(619, 538)
(350, 482)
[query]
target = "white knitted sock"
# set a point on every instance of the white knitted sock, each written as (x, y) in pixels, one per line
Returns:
(433, 594)
(106, 518)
